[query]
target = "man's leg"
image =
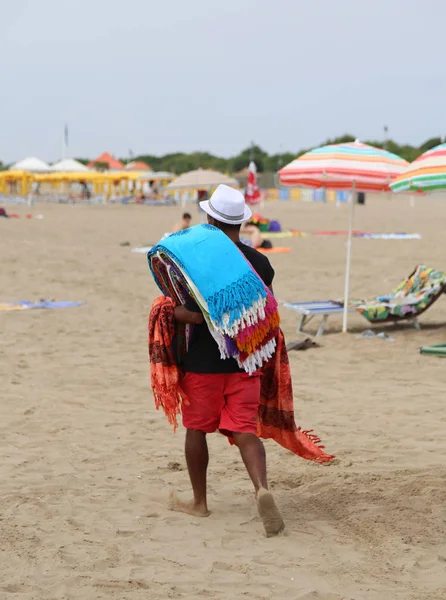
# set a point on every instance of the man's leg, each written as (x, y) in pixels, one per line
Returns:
(197, 459)
(242, 395)
(254, 457)
(200, 416)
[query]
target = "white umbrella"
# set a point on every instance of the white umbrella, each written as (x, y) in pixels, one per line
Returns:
(31, 164)
(201, 179)
(69, 165)
(155, 175)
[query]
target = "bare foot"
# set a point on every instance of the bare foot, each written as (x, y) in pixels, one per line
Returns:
(190, 508)
(269, 513)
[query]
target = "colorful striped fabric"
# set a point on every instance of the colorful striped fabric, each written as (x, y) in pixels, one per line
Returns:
(239, 309)
(426, 173)
(339, 166)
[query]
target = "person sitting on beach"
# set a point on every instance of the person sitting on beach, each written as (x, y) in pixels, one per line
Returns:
(221, 395)
(251, 232)
(186, 221)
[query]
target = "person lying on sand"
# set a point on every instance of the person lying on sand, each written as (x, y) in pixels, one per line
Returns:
(251, 232)
(186, 221)
(221, 395)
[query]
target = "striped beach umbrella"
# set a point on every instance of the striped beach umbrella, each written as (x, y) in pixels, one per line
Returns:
(426, 174)
(342, 166)
(350, 166)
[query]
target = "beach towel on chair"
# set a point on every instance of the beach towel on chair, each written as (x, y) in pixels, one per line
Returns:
(409, 300)
(239, 309)
(276, 409)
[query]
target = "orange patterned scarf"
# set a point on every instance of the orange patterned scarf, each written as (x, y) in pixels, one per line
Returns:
(164, 373)
(276, 409)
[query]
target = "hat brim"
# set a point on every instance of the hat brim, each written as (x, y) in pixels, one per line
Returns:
(247, 214)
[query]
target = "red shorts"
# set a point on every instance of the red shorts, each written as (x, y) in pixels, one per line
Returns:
(225, 401)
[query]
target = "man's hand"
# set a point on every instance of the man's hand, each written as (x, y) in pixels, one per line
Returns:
(183, 315)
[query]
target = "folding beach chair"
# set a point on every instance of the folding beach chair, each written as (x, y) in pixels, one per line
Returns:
(309, 310)
(410, 299)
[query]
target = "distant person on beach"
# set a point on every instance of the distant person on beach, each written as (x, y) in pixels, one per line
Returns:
(186, 222)
(86, 194)
(221, 395)
(154, 189)
(251, 232)
(202, 195)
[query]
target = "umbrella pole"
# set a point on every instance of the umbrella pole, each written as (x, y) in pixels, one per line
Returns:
(349, 257)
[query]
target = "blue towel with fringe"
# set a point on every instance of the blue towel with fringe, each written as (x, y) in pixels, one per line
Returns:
(218, 269)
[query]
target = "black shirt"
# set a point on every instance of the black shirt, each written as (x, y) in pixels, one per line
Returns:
(203, 355)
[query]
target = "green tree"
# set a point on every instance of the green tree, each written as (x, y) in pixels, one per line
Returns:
(429, 144)
(101, 166)
(344, 139)
(255, 153)
(180, 162)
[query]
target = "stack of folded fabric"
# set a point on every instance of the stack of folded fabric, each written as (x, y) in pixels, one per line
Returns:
(240, 311)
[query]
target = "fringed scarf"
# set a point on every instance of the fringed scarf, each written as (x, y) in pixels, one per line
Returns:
(240, 311)
(276, 409)
(164, 372)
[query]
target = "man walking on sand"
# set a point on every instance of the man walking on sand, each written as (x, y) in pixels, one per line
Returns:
(221, 395)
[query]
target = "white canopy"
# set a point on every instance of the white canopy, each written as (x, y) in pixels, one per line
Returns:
(31, 164)
(155, 175)
(68, 165)
(201, 179)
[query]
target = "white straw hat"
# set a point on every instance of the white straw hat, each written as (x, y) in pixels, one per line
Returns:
(227, 205)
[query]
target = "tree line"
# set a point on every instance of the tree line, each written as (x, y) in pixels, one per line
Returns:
(181, 162)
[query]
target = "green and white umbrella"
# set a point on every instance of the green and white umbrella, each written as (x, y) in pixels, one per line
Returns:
(426, 174)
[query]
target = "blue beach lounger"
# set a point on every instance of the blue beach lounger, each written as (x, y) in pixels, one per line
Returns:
(309, 310)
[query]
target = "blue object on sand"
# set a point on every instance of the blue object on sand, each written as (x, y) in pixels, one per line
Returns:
(49, 304)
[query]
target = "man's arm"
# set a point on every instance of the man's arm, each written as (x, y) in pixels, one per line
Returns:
(183, 315)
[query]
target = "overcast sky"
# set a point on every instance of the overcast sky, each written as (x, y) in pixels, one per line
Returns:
(159, 76)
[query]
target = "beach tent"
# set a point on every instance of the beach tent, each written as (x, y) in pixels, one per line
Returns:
(201, 179)
(71, 176)
(109, 160)
(30, 164)
(21, 180)
(137, 165)
(68, 165)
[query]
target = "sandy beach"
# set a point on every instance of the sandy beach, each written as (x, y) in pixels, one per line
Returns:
(87, 461)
